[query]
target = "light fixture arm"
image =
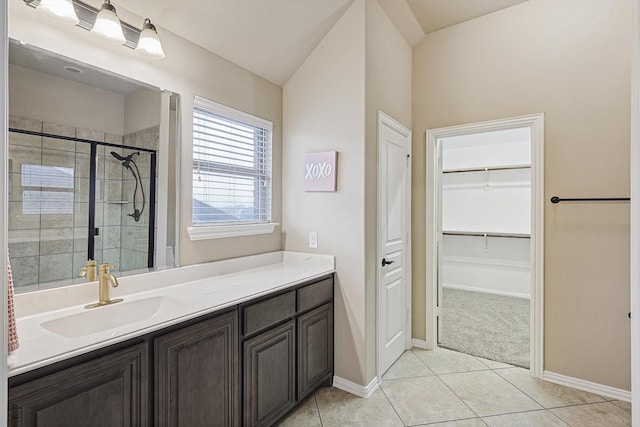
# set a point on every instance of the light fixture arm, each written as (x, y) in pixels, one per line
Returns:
(87, 16)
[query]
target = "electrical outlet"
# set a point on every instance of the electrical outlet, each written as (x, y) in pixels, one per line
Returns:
(313, 239)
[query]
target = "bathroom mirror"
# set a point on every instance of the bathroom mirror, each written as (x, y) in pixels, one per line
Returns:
(92, 170)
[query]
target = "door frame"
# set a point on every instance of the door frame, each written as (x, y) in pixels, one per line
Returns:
(405, 132)
(536, 123)
(4, 146)
(635, 215)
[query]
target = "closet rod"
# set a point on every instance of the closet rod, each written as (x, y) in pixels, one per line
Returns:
(478, 234)
(556, 199)
(490, 168)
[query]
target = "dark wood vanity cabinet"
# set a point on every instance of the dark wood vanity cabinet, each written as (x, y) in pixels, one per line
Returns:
(269, 375)
(245, 366)
(196, 375)
(109, 391)
(287, 350)
(315, 349)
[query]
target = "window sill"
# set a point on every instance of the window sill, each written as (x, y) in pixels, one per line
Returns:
(221, 231)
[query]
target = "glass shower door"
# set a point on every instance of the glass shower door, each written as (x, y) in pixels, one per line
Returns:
(48, 205)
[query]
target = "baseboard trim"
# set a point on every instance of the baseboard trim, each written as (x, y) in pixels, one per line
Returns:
(485, 291)
(422, 344)
(356, 389)
(600, 389)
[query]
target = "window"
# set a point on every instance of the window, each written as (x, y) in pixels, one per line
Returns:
(59, 200)
(231, 169)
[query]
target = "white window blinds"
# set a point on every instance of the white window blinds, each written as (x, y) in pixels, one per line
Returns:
(231, 166)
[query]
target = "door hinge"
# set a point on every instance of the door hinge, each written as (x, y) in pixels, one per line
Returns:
(438, 311)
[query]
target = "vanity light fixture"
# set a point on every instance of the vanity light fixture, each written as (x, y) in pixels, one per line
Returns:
(108, 25)
(149, 42)
(105, 24)
(62, 10)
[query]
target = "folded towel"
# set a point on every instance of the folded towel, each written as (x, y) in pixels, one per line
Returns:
(13, 333)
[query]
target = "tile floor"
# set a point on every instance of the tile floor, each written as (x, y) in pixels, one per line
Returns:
(444, 388)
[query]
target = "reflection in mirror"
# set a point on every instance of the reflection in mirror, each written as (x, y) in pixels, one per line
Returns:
(88, 172)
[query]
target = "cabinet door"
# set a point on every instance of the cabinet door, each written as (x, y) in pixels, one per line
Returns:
(109, 391)
(315, 349)
(196, 374)
(269, 370)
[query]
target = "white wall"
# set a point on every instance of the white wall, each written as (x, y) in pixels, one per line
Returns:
(496, 148)
(501, 203)
(487, 202)
(492, 265)
(56, 100)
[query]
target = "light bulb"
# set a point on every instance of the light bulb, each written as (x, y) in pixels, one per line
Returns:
(108, 25)
(61, 10)
(149, 42)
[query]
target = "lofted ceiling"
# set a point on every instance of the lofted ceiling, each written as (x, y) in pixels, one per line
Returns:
(272, 38)
(434, 15)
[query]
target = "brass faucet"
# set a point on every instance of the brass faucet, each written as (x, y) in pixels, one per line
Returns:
(90, 270)
(106, 280)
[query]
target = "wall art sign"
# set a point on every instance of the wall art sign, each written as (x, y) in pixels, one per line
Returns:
(320, 171)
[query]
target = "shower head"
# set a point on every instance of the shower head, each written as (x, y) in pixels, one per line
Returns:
(119, 157)
(126, 163)
(125, 160)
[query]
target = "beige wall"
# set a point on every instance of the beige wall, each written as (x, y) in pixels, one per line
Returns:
(388, 89)
(330, 103)
(188, 70)
(571, 61)
(324, 111)
(52, 99)
(142, 110)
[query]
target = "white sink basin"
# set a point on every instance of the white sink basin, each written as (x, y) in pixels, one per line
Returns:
(109, 317)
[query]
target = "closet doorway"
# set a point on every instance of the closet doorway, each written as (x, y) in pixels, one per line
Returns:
(487, 228)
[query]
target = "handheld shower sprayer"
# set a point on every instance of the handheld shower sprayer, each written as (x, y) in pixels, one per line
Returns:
(126, 163)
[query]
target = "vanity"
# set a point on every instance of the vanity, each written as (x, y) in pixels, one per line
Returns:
(228, 343)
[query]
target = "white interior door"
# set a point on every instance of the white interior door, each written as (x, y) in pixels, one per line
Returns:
(394, 178)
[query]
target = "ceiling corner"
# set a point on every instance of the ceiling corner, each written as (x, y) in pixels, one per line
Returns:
(404, 20)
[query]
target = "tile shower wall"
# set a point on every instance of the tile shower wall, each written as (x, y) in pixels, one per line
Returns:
(135, 235)
(49, 204)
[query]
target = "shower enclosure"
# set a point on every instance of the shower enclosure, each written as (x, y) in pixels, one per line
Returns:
(77, 194)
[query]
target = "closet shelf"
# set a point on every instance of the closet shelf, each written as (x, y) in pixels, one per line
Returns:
(488, 234)
(488, 168)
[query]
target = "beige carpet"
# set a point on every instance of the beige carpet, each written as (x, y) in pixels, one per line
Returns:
(491, 326)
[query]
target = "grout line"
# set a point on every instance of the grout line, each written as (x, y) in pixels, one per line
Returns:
(315, 400)
(526, 412)
(520, 390)
(446, 422)
(456, 395)
(392, 407)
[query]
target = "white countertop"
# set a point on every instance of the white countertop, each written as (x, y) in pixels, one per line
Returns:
(168, 297)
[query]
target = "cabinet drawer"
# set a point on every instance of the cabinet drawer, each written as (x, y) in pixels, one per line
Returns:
(268, 312)
(316, 294)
